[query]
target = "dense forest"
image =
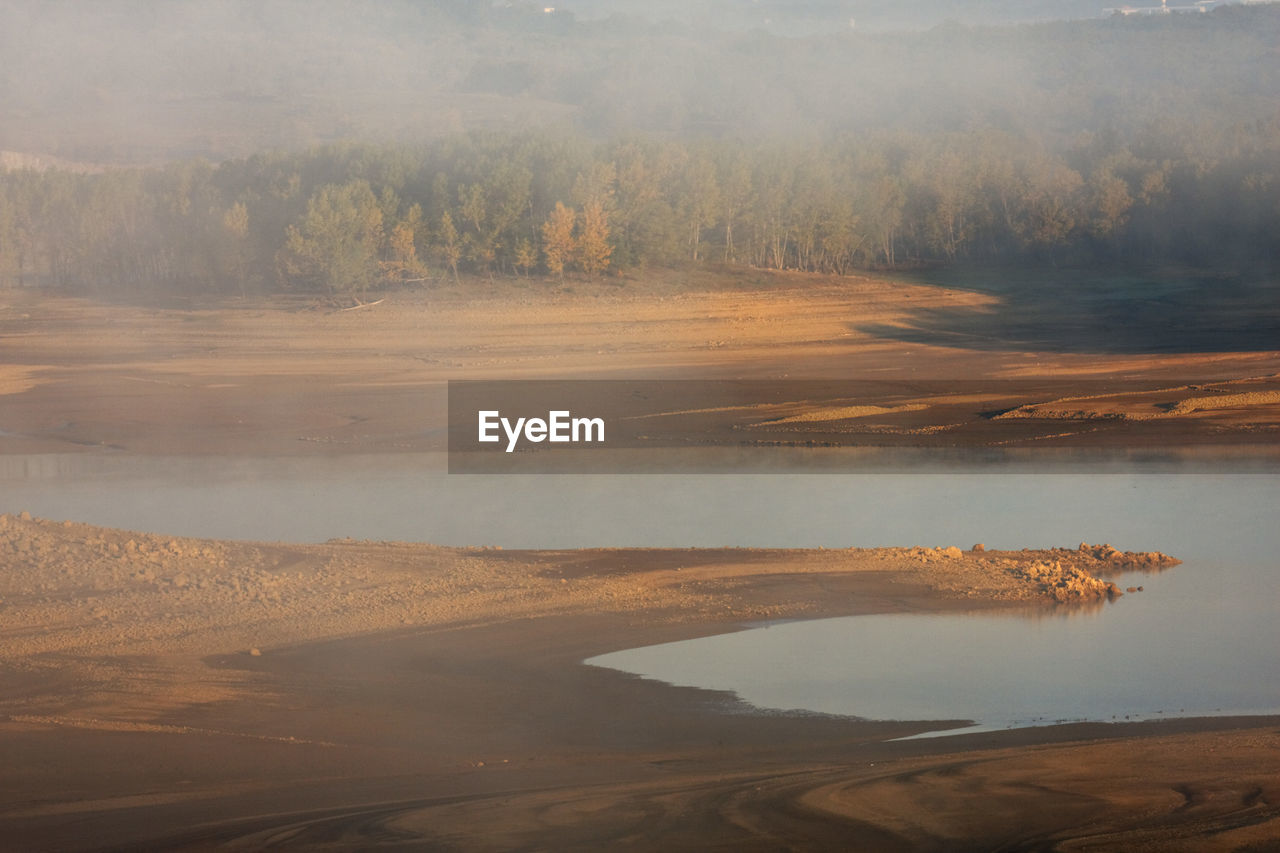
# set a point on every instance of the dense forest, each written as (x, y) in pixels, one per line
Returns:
(350, 217)
(1126, 141)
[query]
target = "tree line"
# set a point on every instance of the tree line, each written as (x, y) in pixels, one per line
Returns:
(349, 218)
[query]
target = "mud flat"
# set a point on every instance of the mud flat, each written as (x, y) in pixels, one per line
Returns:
(172, 693)
(296, 377)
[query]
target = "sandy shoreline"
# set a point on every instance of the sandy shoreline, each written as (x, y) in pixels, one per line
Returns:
(426, 696)
(420, 697)
(293, 378)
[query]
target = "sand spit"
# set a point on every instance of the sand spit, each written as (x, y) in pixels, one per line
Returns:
(409, 696)
(82, 590)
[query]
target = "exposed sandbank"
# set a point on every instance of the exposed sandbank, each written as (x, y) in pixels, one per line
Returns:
(181, 693)
(291, 378)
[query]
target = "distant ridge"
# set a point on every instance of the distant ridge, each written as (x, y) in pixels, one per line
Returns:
(17, 160)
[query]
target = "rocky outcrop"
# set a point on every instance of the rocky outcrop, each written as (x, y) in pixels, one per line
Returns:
(1118, 560)
(1066, 582)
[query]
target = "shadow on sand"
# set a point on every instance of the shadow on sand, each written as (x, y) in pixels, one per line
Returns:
(1087, 312)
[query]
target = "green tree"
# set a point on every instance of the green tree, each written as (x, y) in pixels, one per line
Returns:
(8, 240)
(733, 180)
(640, 200)
(334, 246)
(447, 246)
(526, 257)
(699, 201)
(235, 225)
(885, 206)
(1109, 203)
(478, 240)
(1052, 205)
(947, 192)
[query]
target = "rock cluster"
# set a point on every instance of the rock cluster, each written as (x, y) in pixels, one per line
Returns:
(1065, 582)
(1140, 560)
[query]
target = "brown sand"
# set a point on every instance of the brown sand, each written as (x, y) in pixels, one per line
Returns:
(173, 693)
(432, 698)
(301, 378)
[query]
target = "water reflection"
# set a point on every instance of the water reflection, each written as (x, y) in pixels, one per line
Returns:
(1134, 505)
(1200, 639)
(1000, 670)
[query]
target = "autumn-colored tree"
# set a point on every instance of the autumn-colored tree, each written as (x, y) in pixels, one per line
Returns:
(402, 262)
(558, 244)
(339, 219)
(593, 250)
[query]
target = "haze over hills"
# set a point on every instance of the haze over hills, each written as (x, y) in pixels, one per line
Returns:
(452, 133)
(140, 81)
(809, 17)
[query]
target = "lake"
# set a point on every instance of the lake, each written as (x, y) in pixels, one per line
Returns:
(1203, 638)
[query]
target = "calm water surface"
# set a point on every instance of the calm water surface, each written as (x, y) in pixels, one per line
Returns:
(1203, 638)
